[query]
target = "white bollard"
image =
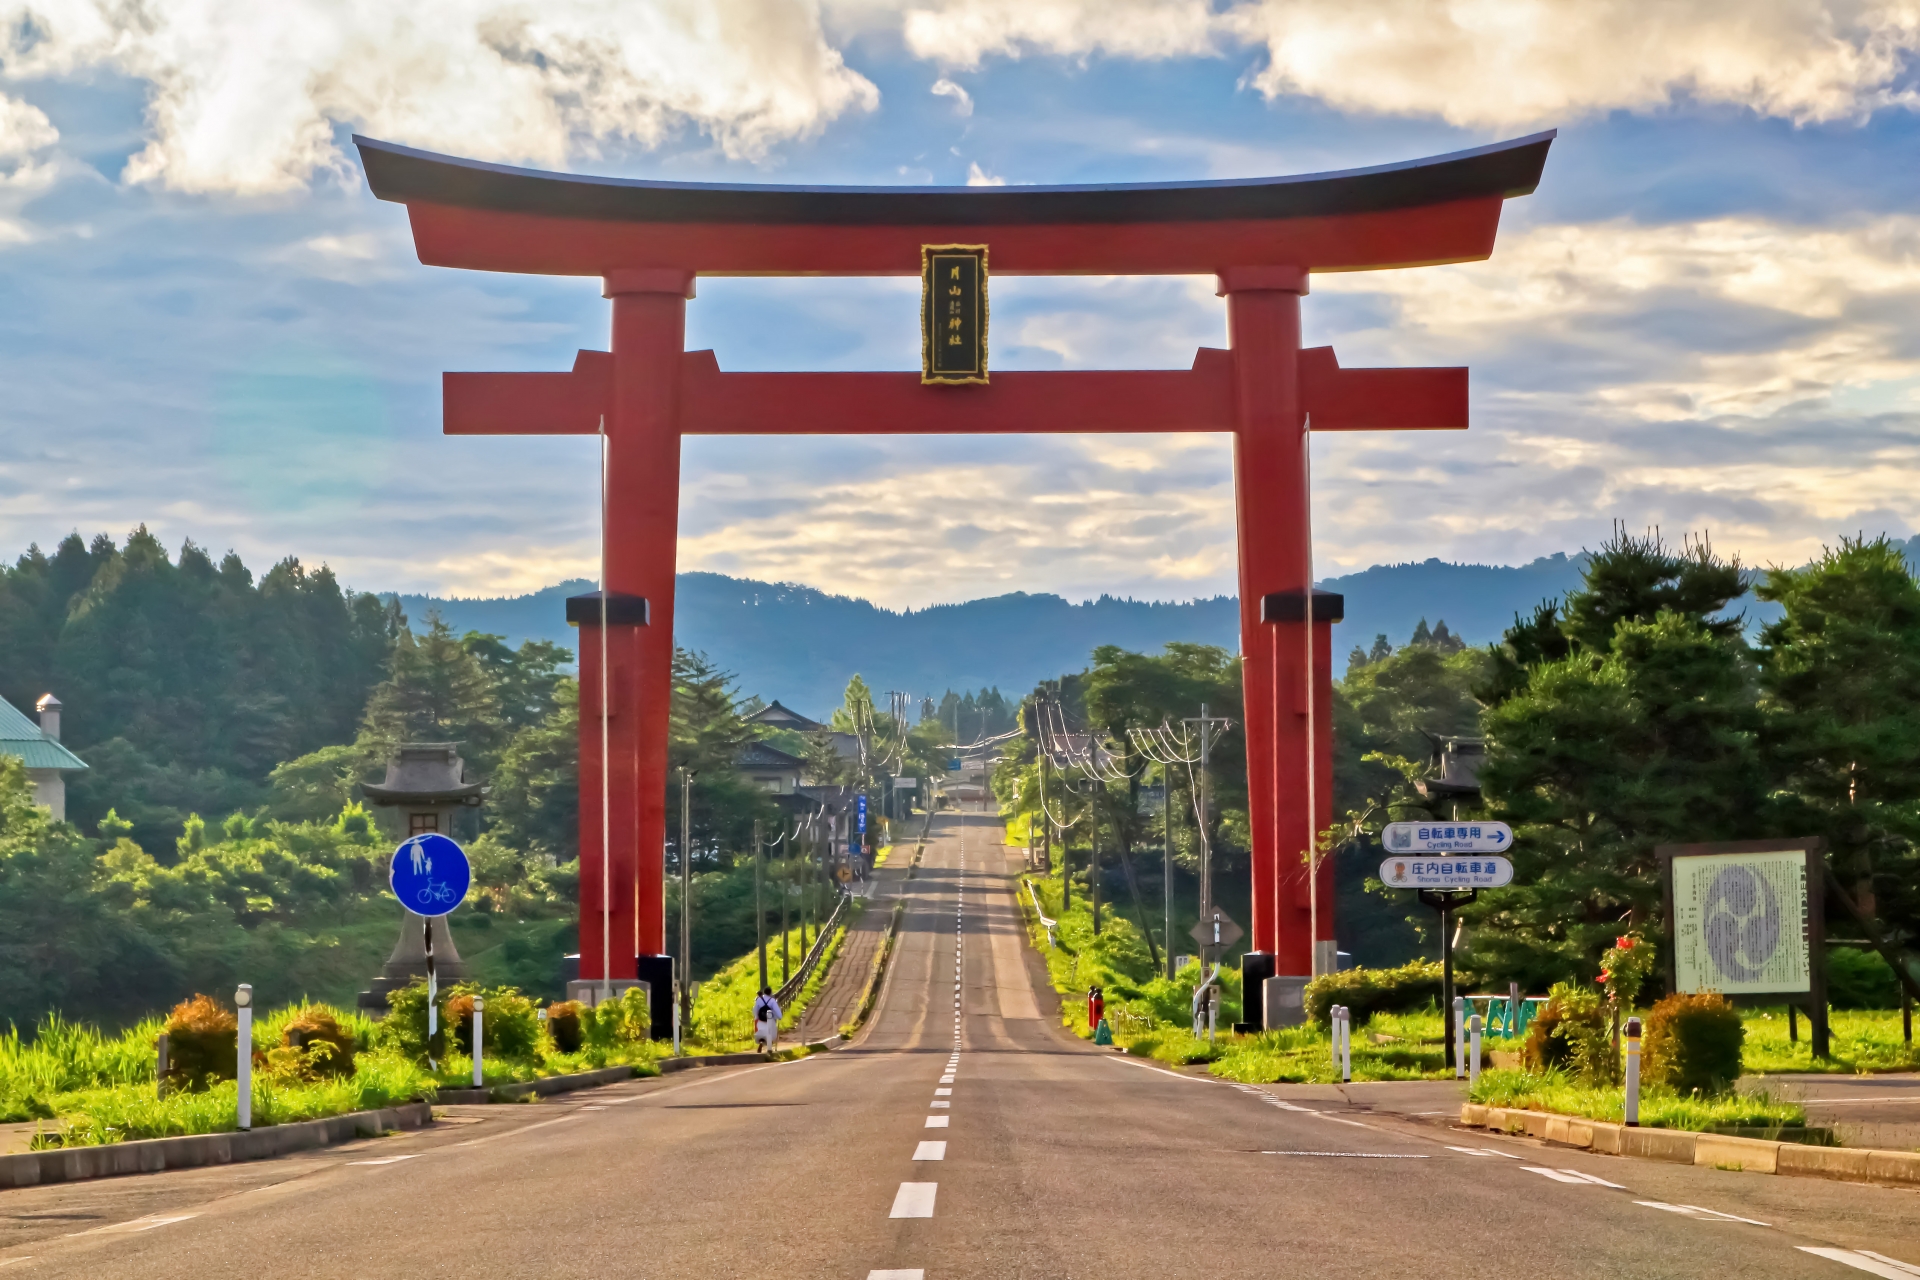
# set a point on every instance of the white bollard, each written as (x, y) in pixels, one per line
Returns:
(1333, 1030)
(1459, 1037)
(1473, 1053)
(478, 1006)
(243, 1066)
(1346, 1043)
(1633, 1072)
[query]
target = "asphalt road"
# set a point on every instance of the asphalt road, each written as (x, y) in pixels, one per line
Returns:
(962, 1136)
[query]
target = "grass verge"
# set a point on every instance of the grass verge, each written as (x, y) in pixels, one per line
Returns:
(1659, 1108)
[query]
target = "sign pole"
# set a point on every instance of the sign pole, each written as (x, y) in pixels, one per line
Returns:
(433, 995)
(759, 912)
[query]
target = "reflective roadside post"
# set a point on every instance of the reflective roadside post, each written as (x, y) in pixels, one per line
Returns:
(1459, 1036)
(1633, 1073)
(478, 1006)
(1473, 1052)
(243, 1053)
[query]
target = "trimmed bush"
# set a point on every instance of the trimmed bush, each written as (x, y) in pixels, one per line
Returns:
(1859, 979)
(1409, 988)
(1571, 1034)
(512, 1026)
(203, 1038)
(1693, 1043)
(325, 1047)
(563, 1024)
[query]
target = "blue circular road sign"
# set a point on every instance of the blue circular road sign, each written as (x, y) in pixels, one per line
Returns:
(430, 874)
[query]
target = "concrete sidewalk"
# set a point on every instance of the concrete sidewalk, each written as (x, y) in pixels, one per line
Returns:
(1881, 1111)
(838, 995)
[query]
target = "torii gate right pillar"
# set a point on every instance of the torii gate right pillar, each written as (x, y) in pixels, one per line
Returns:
(1292, 919)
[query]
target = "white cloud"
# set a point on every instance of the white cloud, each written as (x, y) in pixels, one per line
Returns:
(978, 177)
(961, 33)
(245, 97)
(1481, 63)
(25, 131)
(962, 100)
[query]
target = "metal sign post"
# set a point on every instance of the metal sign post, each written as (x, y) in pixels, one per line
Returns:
(1445, 901)
(430, 877)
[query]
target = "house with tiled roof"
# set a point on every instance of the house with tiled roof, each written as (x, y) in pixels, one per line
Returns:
(38, 747)
(771, 769)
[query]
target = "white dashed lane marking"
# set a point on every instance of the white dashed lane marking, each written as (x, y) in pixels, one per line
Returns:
(1875, 1264)
(930, 1151)
(933, 1122)
(1573, 1176)
(908, 1273)
(914, 1200)
(1484, 1151)
(1695, 1211)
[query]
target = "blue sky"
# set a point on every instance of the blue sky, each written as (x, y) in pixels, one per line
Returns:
(1704, 320)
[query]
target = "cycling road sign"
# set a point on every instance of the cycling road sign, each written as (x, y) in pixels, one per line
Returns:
(430, 874)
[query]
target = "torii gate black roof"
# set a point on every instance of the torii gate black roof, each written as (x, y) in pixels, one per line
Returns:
(408, 175)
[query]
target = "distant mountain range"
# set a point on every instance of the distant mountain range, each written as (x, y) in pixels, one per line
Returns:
(801, 645)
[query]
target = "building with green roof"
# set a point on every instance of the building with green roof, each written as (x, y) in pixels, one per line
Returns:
(38, 747)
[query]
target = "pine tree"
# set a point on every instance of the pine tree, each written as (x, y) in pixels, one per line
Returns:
(1644, 734)
(1841, 672)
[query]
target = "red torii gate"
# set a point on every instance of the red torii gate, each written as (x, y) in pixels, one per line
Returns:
(648, 241)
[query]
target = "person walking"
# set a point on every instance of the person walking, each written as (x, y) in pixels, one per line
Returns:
(766, 1021)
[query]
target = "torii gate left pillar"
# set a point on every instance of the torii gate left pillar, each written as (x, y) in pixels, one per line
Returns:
(647, 241)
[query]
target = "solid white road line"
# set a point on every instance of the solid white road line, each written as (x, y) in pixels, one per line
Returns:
(147, 1223)
(914, 1200)
(930, 1151)
(1572, 1175)
(1876, 1264)
(390, 1159)
(1695, 1211)
(1352, 1155)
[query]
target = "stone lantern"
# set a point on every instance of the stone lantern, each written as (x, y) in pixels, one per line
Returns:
(426, 783)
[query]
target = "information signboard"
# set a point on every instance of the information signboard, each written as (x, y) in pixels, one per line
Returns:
(1740, 922)
(1481, 871)
(1447, 837)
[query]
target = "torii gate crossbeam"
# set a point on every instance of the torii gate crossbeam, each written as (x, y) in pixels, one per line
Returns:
(1260, 238)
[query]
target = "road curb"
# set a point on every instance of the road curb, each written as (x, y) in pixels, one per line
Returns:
(542, 1088)
(881, 954)
(1706, 1150)
(151, 1155)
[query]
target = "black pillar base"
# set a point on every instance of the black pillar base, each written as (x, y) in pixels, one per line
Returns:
(1255, 968)
(657, 973)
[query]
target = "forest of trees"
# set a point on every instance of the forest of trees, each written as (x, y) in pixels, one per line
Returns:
(1639, 710)
(218, 834)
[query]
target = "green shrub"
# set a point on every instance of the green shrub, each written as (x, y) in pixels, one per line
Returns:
(511, 1023)
(564, 1024)
(404, 1029)
(1410, 987)
(1860, 980)
(1693, 1042)
(1572, 1034)
(627, 1020)
(323, 1047)
(203, 1038)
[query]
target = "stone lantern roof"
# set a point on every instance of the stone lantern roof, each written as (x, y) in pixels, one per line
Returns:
(425, 773)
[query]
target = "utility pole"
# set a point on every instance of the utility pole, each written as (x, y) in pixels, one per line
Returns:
(686, 899)
(1093, 853)
(1166, 857)
(759, 912)
(1206, 722)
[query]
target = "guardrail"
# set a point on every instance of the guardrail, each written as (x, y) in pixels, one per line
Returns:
(1045, 923)
(792, 987)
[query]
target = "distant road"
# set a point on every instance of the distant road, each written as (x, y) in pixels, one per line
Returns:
(1042, 1157)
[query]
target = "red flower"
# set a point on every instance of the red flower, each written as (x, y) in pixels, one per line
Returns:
(1604, 975)
(1623, 944)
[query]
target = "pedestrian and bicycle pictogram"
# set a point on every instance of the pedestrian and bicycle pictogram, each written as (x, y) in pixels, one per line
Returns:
(430, 874)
